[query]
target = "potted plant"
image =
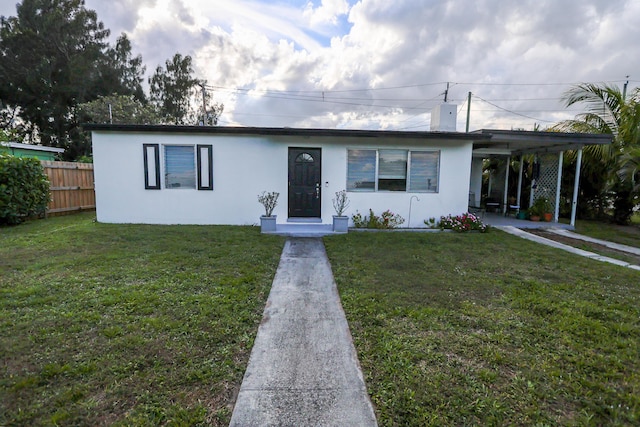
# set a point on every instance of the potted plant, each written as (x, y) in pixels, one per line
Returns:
(268, 221)
(540, 208)
(340, 204)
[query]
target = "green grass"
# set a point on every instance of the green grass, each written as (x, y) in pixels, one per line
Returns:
(489, 329)
(127, 324)
(626, 235)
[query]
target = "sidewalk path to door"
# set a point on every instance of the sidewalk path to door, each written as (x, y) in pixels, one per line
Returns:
(303, 369)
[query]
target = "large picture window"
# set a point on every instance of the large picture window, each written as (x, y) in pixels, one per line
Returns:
(393, 170)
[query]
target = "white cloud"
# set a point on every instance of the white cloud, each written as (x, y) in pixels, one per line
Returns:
(381, 63)
(327, 13)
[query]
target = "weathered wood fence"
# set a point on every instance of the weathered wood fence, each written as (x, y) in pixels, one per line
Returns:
(72, 188)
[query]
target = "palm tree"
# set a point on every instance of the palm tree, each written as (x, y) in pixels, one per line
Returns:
(609, 166)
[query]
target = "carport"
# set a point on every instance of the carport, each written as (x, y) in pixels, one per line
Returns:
(547, 148)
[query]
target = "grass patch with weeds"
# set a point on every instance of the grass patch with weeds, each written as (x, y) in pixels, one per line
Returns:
(489, 329)
(104, 324)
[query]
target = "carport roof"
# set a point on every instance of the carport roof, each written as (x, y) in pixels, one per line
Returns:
(510, 142)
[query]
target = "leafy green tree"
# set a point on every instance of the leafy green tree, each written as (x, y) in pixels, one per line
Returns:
(178, 94)
(119, 109)
(607, 112)
(127, 71)
(54, 55)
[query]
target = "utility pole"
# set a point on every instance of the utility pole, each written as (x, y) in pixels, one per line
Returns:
(468, 110)
(446, 93)
(204, 105)
(624, 89)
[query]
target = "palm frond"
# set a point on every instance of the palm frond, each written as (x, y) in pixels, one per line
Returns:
(604, 101)
(630, 167)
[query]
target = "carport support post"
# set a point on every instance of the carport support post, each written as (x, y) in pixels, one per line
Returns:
(558, 187)
(535, 160)
(576, 184)
(506, 186)
(519, 203)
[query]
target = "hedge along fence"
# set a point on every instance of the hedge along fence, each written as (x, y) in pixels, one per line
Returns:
(24, 189)
(72, 188)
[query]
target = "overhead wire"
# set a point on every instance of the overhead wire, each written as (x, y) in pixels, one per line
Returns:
(324, 96)
(510, 111)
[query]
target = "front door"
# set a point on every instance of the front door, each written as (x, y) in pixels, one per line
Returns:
(305, 182)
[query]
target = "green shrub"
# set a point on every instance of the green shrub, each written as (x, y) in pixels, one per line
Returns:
(387, 220)
(24, 189)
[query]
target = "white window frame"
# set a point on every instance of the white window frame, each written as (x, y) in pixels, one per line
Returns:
(408, 177)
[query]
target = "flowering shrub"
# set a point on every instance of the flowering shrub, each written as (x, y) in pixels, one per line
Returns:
(462, 223)
(387, 220)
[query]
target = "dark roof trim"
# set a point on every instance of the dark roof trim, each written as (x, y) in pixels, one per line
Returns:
(228, 130)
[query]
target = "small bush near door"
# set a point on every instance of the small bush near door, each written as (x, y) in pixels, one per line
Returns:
(387, 220)
(24, 189)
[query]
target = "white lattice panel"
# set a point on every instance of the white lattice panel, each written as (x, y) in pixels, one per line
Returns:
(548, 179)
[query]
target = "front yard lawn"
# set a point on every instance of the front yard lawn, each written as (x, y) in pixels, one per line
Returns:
(128, 324)
(489, 329)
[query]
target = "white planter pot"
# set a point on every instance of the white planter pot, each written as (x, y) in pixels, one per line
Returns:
(340, 224)
(268, 224)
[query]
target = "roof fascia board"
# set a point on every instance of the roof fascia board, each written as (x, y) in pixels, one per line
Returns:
(223, 130)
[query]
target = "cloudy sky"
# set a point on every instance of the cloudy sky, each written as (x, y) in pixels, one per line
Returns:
(381, 64)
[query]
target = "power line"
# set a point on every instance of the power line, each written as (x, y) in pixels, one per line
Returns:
(512, 112)
(320, 92)
(318, 96)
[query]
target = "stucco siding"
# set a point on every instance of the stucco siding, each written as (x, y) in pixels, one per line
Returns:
(244, 166)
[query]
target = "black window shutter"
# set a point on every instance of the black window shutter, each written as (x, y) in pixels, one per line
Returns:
(205, 167)
(151, 166)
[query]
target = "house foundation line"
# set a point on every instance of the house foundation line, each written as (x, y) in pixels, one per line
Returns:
(538, 239)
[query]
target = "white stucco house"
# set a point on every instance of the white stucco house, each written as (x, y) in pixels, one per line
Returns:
(213, 175)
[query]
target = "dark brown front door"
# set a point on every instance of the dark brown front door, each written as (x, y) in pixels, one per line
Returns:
(305, 182)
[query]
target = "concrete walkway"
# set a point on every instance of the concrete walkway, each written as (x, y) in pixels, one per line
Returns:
(521, 233)
(303, 369)
(612, 245)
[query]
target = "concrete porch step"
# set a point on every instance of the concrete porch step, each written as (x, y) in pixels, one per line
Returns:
(304, 230)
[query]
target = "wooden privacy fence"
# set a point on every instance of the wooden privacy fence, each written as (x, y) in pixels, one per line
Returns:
(72, 187)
